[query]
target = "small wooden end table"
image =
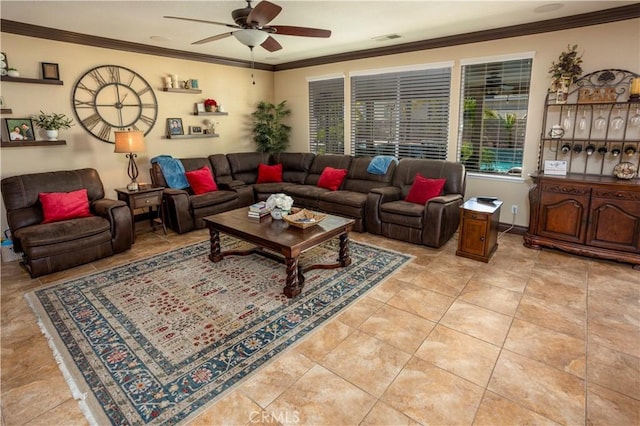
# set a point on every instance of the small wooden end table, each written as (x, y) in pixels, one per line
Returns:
(279, 237)
(143, 199)
(478, 238)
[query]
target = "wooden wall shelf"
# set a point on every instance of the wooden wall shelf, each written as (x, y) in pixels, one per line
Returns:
(19, 144)
(210, 113)
(166, 89)
(30, 80)
(214, 135)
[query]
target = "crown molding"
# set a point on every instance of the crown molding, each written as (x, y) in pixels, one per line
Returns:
(37, 31)
(631, 11)
(575, 21)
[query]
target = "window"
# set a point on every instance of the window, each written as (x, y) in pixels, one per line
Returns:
(493, 115)
(401, 113)
(326, 116)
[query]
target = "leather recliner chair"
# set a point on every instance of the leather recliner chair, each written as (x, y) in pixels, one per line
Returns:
(51, 247)
(431, 224)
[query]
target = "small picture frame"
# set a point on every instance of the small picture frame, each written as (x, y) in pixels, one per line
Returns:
(199, 107)
(50, 71)
(195, 130)
(19, 129)
(174, 126)
(555, 167)
(194, 83)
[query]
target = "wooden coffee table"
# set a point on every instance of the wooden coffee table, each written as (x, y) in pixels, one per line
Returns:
(285, 242)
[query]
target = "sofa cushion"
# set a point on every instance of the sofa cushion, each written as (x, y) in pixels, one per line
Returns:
(295, 165)
(402, 213)
(244, 165)
(424, 189)
(71, 230)
(57, 206)
(331, 200)
(201, 181)
(331, 178)
(211, 198)
(268, 174)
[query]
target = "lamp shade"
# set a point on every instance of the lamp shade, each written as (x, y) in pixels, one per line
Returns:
(251, 37)
(129, 141)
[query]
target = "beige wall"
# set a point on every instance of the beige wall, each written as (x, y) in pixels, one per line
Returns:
(605, 46)
(613, 45)
(230, 86)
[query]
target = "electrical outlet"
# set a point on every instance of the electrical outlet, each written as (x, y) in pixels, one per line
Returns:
(514, 209)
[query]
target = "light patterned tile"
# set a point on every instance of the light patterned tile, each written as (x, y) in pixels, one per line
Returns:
(491, 297)
(430, 395)
(309, 402)
(424, 303)
(550, 347)
(367, 362)
(478, 322)
(460, 354)
(383, 415)
(401, 329)
(553, 316)
(607, 407)
(540, 388)
(497, 411)
(614, 370)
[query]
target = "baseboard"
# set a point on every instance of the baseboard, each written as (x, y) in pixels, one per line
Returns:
(516, 229)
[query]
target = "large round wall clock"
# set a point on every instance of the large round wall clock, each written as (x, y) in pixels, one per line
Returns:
(111, 97)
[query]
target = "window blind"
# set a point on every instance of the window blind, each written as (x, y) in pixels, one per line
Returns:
(404, 114)
(326, 116)
(494, 105)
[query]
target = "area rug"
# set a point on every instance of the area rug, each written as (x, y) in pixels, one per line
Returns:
(157, 340)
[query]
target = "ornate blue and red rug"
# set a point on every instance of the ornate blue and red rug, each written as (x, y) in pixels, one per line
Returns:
(157, 340)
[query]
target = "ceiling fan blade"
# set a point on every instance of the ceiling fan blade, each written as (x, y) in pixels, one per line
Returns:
(300, 31)
(271, 44)
(213, 38)
(263, 13)
(202, 21)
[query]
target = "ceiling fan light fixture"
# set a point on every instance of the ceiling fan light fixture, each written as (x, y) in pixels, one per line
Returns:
(251, 37)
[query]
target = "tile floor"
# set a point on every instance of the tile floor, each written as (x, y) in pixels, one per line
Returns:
(532, 337)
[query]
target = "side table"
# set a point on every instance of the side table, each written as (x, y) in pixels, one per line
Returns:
(143, 199)
(478, 237)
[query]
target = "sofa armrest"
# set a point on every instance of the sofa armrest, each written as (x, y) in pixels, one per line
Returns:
(178, 210)
(375, 198)
(441, 219)
(119, 216)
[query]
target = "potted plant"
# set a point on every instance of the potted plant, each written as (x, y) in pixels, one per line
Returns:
(270, 133)
(566, 71)
(13, 72)
(51, 123)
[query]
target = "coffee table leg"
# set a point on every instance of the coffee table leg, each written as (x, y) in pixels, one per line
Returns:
(214, 237)
(345, 258)
(293, 286)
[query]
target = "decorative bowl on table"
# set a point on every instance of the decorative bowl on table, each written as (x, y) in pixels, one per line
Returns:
(304, 219)
(625, 170)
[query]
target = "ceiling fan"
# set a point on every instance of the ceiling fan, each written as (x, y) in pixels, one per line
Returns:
(252, 29)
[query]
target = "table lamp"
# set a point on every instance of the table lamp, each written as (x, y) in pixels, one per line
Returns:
(130, 141)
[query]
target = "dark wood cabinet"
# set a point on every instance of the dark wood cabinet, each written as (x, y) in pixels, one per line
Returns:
(478, 237)
(597, 216)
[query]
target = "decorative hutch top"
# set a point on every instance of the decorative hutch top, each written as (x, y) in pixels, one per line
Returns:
(597, 127)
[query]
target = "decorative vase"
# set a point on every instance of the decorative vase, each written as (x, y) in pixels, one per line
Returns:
(13, 73)
(52, 135)
(278, 213)
(208, 108)
(220, 108)
(563, 90)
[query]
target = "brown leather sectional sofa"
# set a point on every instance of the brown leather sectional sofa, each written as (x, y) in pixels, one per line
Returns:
(375, 202)
(51, 247)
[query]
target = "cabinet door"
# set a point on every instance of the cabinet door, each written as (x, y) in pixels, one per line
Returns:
(614, 220)
(563, 212)
(474, 234)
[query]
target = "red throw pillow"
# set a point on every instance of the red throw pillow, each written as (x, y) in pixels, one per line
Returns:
(424, 189)
(58, 206)
(268, 174)
(332, 178)
(201, 180)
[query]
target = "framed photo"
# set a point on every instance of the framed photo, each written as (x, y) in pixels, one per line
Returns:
(50, 71)
(199, 107)
(195, 130)
(174, 126)
(19, 129)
